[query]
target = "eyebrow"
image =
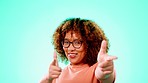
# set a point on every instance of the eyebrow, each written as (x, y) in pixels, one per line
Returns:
(73, 39)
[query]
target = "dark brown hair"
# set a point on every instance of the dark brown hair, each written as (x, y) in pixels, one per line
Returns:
(91, 34)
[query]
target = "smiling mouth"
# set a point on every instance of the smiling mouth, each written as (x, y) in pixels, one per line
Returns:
(72, 55)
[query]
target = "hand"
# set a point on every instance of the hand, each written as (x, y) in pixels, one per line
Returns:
(105, 63)
(54, 69)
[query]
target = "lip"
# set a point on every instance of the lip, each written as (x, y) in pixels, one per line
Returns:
(72, 55)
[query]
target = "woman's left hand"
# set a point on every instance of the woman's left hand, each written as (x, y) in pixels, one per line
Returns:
(105, 63)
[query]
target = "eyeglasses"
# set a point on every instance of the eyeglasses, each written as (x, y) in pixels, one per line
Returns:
(76, 43)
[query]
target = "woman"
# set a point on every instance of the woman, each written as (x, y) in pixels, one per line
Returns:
(83, 43)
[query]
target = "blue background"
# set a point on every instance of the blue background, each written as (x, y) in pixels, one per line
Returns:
(26, 28)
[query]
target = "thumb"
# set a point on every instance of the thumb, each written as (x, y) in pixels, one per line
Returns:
(103, 47)
(55, 61)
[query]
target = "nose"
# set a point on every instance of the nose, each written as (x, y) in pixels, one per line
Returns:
(71, 47)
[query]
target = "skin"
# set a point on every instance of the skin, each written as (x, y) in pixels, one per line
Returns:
(103, 72)
(71, 51)
(105, 69)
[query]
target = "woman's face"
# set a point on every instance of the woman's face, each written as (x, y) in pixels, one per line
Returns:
(74, 51)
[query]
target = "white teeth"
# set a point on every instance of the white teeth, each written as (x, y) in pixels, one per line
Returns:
(71, 54)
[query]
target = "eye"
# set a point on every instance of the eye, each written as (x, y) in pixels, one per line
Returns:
(77, 42)
(65, 42)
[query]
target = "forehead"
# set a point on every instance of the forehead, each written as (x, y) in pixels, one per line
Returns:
(72, 35)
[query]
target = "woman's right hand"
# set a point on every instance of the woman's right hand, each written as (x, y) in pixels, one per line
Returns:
(54, 69)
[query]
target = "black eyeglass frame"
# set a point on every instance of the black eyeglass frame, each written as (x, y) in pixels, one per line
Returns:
(72, 43)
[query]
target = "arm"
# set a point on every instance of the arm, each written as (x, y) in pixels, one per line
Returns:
(109, 78)
(54, 71)
(105, 72)
(105, 69)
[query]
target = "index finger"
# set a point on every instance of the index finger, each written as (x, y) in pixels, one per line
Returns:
(103, 47)
(55, 58)
(55, 55)
(110, 58)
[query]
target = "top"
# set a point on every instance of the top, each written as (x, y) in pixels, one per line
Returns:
(78, 74)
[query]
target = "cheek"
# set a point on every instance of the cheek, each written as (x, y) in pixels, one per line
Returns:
(82, 51)
(82, 48)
